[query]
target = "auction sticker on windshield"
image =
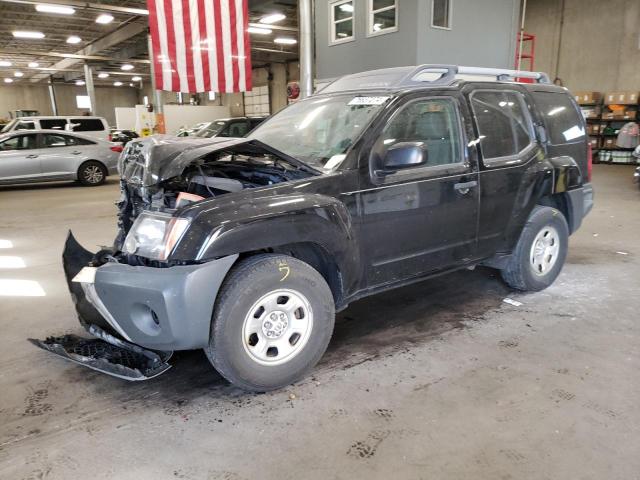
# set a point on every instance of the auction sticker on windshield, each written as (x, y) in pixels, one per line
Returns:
(368, 100)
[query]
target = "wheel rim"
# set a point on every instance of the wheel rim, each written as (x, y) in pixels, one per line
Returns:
(544, 250)
(93, 174)
(277, 327)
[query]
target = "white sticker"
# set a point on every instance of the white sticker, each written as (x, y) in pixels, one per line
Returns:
(368, 100)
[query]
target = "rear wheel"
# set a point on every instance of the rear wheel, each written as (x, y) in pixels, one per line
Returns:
(541, 251)
(272, 322)
(92, 173)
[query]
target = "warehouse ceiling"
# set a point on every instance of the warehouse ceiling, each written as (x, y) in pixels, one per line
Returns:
(109, 46)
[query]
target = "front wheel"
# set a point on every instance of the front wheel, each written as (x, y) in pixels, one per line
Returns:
(540, 253)
(271, 324)
(92, 173)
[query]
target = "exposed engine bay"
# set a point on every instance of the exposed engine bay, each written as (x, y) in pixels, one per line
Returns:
(217, 173)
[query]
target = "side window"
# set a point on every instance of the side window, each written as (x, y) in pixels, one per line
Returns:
(52, 140)
(86, 125)
(340, 21)
(19, 142)
(503, 123)
(432, 124)
(25, 126)
(561, 117)
(441, 14)
(79, 141)
(382, 16)
(53, 124)
(238, 129)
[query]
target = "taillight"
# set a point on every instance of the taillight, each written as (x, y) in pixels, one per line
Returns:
(117, 148)
(589, 162)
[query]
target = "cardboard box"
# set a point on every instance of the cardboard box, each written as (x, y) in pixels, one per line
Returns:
(594, 142)
(590, 112)
(621, 98)
(593, 129)
(609, 142)
(588, 98)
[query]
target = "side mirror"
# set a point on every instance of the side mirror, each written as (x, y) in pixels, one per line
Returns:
(405, 155)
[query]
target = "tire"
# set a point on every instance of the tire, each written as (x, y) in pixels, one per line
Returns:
(92, 173)
(271, 324)
(540, 253)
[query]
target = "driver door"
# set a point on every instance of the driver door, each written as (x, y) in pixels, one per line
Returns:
(421, 217)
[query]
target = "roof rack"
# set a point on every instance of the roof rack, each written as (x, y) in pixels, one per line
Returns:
(431, 75)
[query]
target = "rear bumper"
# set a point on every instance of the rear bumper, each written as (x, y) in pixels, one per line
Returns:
(157, 308)
(580, 204)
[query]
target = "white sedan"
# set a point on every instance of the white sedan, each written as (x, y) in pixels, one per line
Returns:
(52, 155)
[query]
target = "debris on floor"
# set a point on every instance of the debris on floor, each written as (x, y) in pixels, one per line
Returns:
(513, 302)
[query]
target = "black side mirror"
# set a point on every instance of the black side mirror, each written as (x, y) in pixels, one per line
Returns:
(405, 155)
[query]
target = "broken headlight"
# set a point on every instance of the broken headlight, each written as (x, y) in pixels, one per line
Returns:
(153, 235)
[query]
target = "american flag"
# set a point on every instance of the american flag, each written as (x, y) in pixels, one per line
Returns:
(200, 45)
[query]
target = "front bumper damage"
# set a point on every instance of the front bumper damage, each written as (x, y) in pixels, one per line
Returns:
(139, 315)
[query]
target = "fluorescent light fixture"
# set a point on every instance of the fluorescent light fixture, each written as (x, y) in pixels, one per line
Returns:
(126, 67)
(131, 84)
(74, 39)
(273, 18)
(5, 63)
(117, 84)
(136, 79)
(346, 7)
(4, 243)
(59, 9)
(33, 65)
(8, 80)
(103, 75)
(79, 82)
(285, 40)
(11, 262)
(10, 287)
(104, 18)
(18, 74)
(259, 30)
(27, 34)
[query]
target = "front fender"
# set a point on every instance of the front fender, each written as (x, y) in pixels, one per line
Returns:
(262, 223)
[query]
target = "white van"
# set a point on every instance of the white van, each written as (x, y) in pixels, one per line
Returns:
(96, 127)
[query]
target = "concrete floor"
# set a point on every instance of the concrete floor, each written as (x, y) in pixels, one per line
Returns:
(438, 380)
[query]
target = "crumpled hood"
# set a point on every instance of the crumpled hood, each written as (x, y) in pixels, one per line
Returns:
(151, 160)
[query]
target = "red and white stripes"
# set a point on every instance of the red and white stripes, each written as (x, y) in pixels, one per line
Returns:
(200, 45)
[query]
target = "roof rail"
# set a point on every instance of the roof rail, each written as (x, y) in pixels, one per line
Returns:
(419, 76)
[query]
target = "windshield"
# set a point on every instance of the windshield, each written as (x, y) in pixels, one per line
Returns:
(211, 130)
(9, 126)
(319, 131)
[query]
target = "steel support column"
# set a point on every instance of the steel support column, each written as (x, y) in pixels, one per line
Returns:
(305, 9)
(91, 91)
(52, 97)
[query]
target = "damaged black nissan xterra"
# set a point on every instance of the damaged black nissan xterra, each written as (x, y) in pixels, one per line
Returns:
(246, 247)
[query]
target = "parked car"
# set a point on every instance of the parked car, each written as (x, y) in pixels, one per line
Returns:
(246, 247)
(230, 127)
(122, 136)
(189, 131)
(52, 155)
(95, 127)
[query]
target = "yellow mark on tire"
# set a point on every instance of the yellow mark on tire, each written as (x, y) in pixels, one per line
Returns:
(285, 269)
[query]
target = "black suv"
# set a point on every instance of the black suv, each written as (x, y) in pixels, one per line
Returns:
(247, 247)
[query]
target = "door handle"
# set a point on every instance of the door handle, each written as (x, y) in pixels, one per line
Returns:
(32, 156)
(464, 187)
(77, 152)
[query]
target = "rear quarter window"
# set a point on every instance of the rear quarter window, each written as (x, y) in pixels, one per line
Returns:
(87, 125)
(53, 124)
(561, 117)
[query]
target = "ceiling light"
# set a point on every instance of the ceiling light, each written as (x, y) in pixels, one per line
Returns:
(5, 63)
(27, 34)
(104, 18)
(136, 79)
(273, 18)
(8, 80)
(60, 9)
(33, 65)
(103, 75)
(117, 84)
(285, 40)
(347, 7)
(79, 82)
(74, 39)
(126, 67)
(131, 84)
(18, 74)
(259, 30)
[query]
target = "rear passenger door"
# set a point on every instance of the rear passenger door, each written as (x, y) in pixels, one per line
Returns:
(507, 146)
(60, 155)
(419, 219)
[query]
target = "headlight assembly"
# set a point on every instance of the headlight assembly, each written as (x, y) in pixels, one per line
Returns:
(153, 235)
